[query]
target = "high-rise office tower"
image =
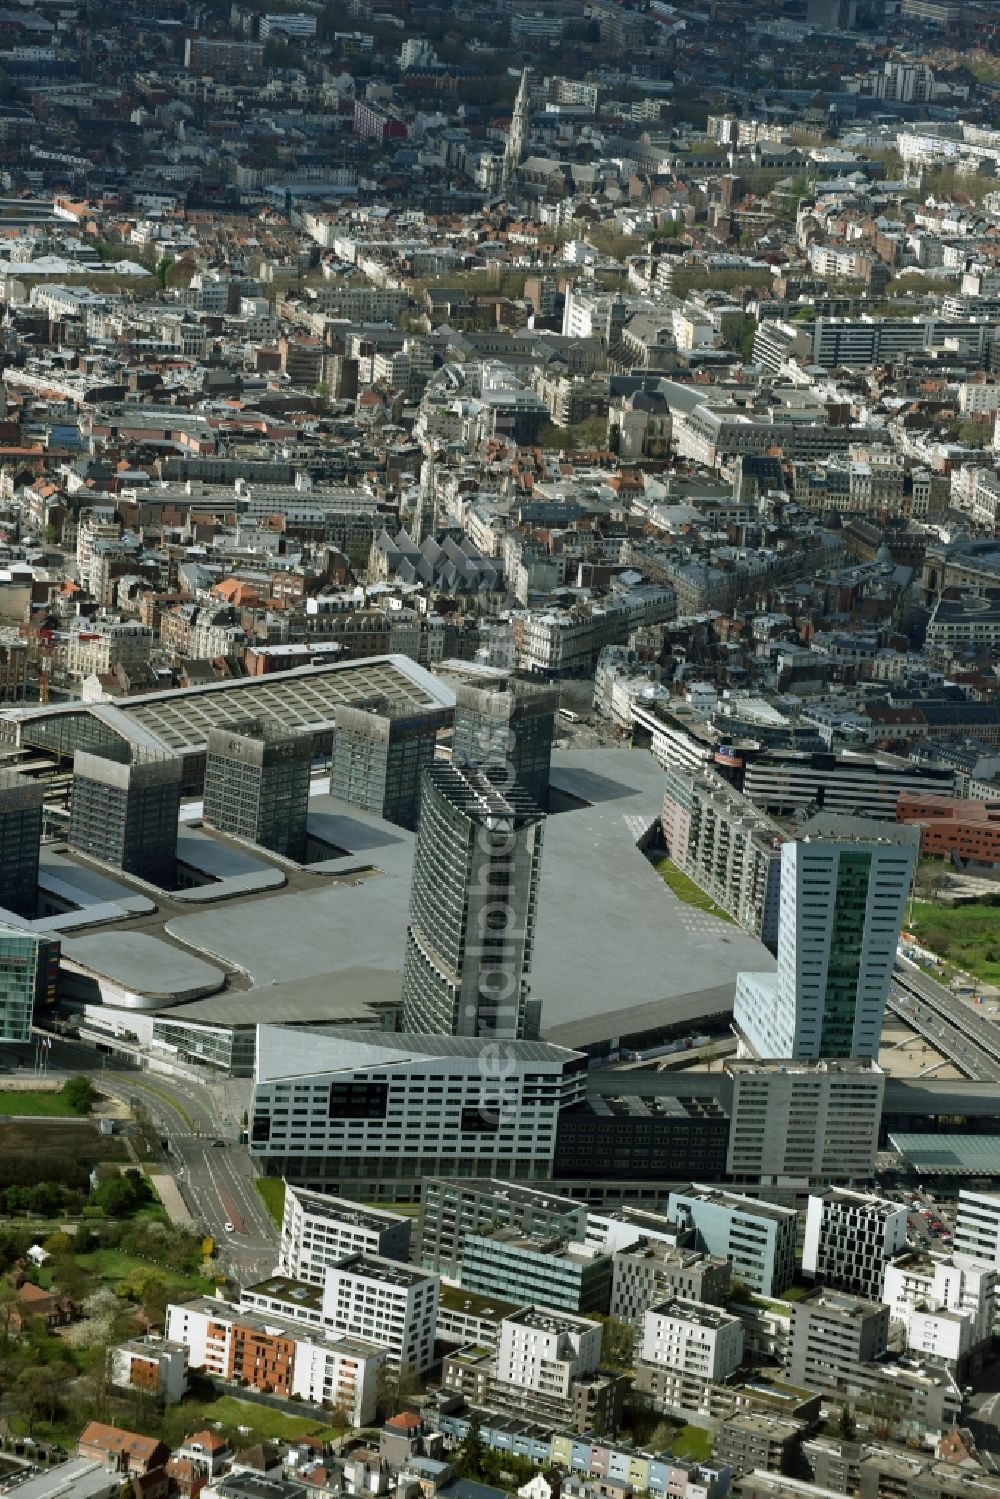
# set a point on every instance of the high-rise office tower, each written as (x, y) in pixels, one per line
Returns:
(20, 836)
(125, 812)
(379, 757)
(844, 882)
(472, 909)
(507, 723)
(257, 786)
(27, 972)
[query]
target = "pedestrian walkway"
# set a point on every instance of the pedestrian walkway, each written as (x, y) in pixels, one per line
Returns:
(168, 1192)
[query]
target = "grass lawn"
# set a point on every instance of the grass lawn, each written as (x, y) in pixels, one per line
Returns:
(685, 889)
(39, 1105)
(116, 1268)
(967, 936)
(692, 1442)
(272, 1190)
(265, 1424)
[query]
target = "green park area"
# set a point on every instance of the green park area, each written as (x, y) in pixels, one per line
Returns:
(272, 1191)
(72, 1101)
(965, 937)
(685, 888)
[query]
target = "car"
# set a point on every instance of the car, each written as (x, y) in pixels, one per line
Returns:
(229, 1227)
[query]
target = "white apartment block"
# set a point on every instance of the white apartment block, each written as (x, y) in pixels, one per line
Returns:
(391, 1305)
(318, 1230)
(977, 1227)
(849, 1237)
(108, 643)
(946, 1307)
(978, 397)
(693, 1339)
(544, 1351)
(232, 1343)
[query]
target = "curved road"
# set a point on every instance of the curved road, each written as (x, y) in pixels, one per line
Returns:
(213, 1171)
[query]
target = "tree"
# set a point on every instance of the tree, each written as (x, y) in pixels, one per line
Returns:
(846, 1424)
(80, 1094)
(469, 1459)
(617, 1340)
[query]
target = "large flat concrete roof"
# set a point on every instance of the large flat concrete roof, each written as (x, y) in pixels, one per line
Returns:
(616, 952)
(143, 965)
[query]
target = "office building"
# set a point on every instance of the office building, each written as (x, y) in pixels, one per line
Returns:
(757, 1238)
(844, 883)
(26, 974)
(317, 1230)
(257, 786)
(531, 1268)
(20, 837)
(379, 758)
(452, 1208)
(237, 1344)
(832, 1336)
(472, 909)
(507, 724)
(731, 851)
(651, 1271)
(802, 1123)
(849, 1238)
(124, 813)
(373, 1114)
(642, 1137)
(977, 1227)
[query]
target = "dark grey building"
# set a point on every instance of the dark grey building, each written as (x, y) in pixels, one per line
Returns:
(20, 836)
(508, 723)
(379, 757)
(472, 908)
(125, 813)
(257, 786)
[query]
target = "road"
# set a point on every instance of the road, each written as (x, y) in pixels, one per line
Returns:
(213, 1171)
(967, 1038)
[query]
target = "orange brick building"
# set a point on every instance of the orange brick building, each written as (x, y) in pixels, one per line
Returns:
(951, 826)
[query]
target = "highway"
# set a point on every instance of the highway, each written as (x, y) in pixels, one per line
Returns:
(957, 1030)
(214, 1172)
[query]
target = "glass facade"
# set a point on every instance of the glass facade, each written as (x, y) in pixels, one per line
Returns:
(850, 910)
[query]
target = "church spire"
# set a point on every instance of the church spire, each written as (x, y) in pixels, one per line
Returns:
(518, 137)
(425, 515)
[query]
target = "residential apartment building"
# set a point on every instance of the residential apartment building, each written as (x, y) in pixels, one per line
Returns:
(452, 1208)
(649, 1272)
(803, 1123)
(833, 1335)
(948, 1307)
(572, 1277)
(692, 1338)
(374, 1114)
(757, 1238)
(844, 885)
(318, 1230)
(730, 850)
(849, 1237)
(278, 1356)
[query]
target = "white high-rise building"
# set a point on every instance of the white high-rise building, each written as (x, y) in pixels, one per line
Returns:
(318, 1230)
(977, 1227)
(849, 1238)
(844, 882)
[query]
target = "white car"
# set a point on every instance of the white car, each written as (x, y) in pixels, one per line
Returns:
(229, 1227)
